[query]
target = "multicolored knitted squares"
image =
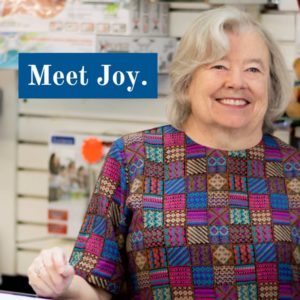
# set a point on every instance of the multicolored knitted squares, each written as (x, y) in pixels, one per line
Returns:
(94, 244)
(245, 274)
(196, 200)
(203, 276)
(178, 256)
(175, 236)
(194, 222)
(201, 255)
(174, 170)
(180, 276)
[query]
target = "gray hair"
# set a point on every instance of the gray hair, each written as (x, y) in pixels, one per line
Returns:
(206, 41)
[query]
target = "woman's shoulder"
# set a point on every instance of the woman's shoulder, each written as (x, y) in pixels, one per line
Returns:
(152, 135)
(275, 142)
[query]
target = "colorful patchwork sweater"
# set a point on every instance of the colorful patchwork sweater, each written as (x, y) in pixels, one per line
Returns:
(182, 221)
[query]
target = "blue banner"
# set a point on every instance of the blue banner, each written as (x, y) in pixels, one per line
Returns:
(88, 75)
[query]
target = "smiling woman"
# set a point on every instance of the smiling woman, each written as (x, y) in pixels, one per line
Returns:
(229, 97)
(205, 208)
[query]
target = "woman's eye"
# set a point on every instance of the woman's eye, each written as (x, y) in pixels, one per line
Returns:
(219, 67)
(253, 70)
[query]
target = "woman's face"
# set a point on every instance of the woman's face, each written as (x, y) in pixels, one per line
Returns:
(232, 93)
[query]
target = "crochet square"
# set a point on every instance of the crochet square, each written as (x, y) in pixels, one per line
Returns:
(195, 166)
(268, 291)
(285, 272)
(161, 293)
(151, 138)
(238, 200)
(174, 153)
(175, 236)
(222, 255)
(217, 182)
(237, 166)
(159, 277)
(197, 235)
(111, 250)
(154, 153)
(204, 293)
(262, 233)
(259, 202)
(157, 258)
(153, 202)
(180, 276)
(203, 276)
(276, 185)
(135, 240)
(256, 153)
(216, 162)
(153, 218)
(245, 274)
(238, 183)
(284, 252)
(194, 150)
(174, 202)
(279, 201)
(196, 217)
(94, 244)
(201, 255)
(174, 139)
(178, 256)
(196, 200)
(217, 199)
(105, 269)
(286, 291)
(225, 292)
(240, 234)
(266, 272)
(265, 252)
(261, 217)
(219, 234)
(293, 186)
(153, 185)
(154, 169)
(247, 291)
(174, 186)
(291, 169)
(175, 218)
(256, 168)
(274, 169)
(280, 217)
(224, 275)
(154, 238)
(174, 170)
(218, 216)
(143, 279)
(239, 216)
(257, 185)
(196, 183)
(182, 293)
(244, 254)
(99, 226)
(282, 233)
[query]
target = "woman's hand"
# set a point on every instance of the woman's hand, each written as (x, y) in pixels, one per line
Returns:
(50, 274)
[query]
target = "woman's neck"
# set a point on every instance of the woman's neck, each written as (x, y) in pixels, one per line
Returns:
(223, 138)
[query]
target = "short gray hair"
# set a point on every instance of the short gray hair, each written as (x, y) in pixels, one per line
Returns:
(205, 41)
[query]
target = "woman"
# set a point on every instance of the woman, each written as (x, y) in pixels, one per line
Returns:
(207, 208)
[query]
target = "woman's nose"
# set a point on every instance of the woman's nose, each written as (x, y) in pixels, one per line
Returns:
(235, 79)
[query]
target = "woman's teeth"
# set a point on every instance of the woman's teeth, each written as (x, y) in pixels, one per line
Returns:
(236, 102)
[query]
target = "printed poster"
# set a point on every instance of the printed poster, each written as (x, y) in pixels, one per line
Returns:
(74, 165)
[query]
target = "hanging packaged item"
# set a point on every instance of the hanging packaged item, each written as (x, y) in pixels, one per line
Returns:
(74, 164)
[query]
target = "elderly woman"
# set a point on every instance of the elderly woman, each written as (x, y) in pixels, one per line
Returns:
(205, 208)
